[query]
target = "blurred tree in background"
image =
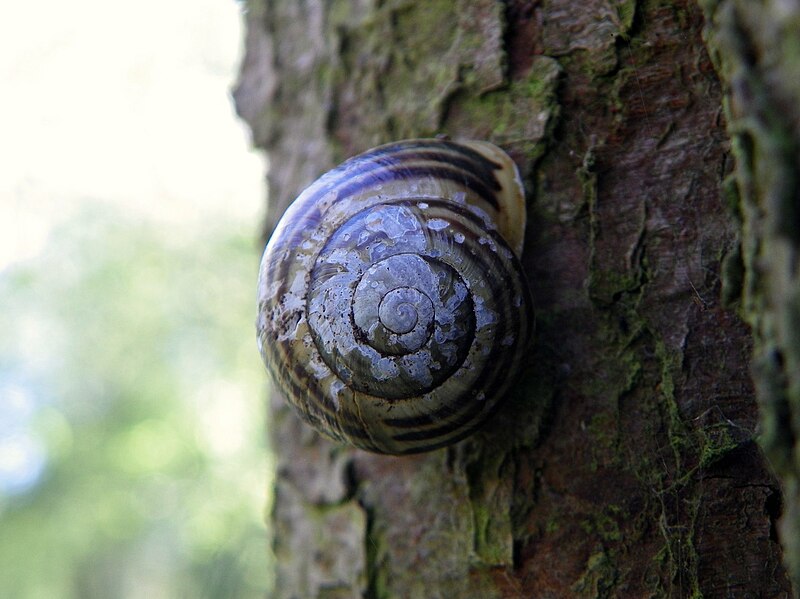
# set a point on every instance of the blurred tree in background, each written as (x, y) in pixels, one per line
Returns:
(131, 457)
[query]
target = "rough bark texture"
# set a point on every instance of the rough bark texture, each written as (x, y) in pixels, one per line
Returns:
(626, 463)
(756, 48)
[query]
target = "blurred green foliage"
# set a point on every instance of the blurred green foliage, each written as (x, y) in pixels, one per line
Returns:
(134, 344)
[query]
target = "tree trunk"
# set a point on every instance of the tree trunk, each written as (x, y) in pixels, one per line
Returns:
(626, 463)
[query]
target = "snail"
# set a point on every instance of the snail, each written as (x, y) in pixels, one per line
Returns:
(393, 312)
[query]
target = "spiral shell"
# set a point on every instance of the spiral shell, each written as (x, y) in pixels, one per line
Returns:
(393, 311)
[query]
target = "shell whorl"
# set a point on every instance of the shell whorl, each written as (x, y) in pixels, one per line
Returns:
(392, 305)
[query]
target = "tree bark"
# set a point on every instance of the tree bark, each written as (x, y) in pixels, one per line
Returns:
(627, 462)
(755, 46)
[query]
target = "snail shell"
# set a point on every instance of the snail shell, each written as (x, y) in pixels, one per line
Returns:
(392, 308)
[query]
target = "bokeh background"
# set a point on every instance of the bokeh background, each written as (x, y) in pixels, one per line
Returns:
(133, 461)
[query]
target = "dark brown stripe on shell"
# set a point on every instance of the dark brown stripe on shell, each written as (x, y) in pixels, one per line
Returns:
(438, 144)
(482, 168)
(400, 172)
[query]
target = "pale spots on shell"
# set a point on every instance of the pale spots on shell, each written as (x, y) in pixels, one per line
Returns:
(298, 284)
(336, 388)
(419, 366)
(292, 302)
(488, 222)
(437, 224)
(326, 201)
(271, 291)
(384, 369)
(484, 316)
(291, 329)
(318, 368)
(488, 241)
